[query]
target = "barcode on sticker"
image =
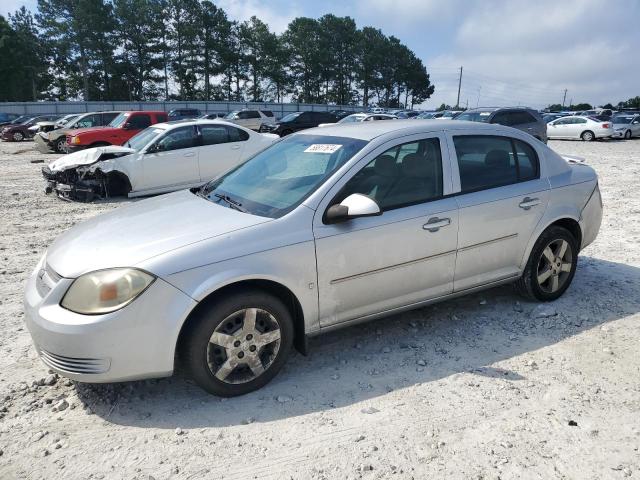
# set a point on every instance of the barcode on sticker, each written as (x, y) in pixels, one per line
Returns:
(322, 148)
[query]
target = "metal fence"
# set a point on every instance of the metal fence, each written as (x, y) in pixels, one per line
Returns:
(278, 109)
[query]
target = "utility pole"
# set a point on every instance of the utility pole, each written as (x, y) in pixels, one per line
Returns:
(459, 85)
(564, 98)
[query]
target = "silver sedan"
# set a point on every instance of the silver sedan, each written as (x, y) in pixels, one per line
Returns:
(325, 228)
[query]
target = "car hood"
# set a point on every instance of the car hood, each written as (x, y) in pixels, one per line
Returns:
(87, 157)
(80, 131)
(129, 235)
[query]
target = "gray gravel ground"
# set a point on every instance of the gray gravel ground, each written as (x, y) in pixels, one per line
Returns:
(483, 387)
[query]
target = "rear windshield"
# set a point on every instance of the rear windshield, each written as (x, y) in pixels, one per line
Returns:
(291, 116)
(119, 120)
(621, 119)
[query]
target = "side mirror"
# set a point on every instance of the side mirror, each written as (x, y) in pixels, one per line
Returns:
(128, 126)
(156, 147)
(354, 206)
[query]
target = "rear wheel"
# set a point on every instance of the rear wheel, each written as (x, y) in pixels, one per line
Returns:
(551, 265)
(18, 136)
(237, 344)
(588, 136)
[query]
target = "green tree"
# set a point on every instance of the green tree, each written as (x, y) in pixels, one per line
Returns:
(258, 44)
(140, 59)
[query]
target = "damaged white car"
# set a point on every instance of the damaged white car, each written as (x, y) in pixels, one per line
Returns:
(162, 158)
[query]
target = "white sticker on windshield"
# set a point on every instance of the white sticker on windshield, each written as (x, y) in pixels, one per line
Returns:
(322, 148)
(485, 114)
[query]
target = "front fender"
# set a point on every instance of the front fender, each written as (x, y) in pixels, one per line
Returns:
(292, 266)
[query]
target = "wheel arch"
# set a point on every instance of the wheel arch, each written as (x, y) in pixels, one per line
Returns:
(272, 287)
(566, 221)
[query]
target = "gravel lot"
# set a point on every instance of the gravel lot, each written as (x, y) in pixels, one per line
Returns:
(483, 387)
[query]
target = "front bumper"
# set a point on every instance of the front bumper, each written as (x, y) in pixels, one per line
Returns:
(42, 144)
(618, 133)
(75, 148)
(135, 342)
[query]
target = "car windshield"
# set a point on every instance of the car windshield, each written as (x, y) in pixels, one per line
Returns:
(232, 115)
(25, 120)
(278, 179)
(119, 120)
(142, 139)
(474, 116)
(290, 116)
(621, 119)
(69, 120)
(353, 118)
(448, 114)
(21, 119)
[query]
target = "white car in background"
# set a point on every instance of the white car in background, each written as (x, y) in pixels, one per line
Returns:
(162, 158)
(253, 119)
(579, 128)
(361, 117)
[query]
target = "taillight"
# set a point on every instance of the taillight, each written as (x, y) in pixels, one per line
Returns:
(605, 125)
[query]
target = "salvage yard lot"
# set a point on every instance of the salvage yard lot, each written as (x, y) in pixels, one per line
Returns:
(485, 386)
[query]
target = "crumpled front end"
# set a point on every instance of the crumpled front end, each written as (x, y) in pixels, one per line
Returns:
(91, 175)
(81, 184)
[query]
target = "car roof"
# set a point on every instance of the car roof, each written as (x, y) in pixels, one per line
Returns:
(370, 130)
(196, 121)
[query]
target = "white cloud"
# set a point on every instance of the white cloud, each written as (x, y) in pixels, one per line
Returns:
(276, 18)
(529, 52)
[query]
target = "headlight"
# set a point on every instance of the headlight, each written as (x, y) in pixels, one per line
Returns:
(105, 291)
(75, 139)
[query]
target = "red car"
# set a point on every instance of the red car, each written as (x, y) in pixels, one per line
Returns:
(120, 130)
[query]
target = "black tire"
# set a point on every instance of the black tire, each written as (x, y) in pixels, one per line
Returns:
(59, 145)
(196, 355)
(528, 285)
(588, 136)
(18, 137)
(627, 135)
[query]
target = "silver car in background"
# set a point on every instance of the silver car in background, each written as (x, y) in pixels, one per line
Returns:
(626, 126)
(325, 228)
(577, 127)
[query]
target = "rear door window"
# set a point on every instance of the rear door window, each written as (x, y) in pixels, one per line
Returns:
(502, 118)
(491, 161)
(214, 134)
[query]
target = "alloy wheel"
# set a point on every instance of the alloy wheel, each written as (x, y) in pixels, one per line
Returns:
(554, 265)
(243, 346)
(18, 137)
(587, 136)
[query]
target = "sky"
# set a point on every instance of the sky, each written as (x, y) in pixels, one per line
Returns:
(516, 52)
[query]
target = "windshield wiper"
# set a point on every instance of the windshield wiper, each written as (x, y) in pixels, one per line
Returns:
(231, 202)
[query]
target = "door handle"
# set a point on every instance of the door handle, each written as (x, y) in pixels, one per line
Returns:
(528, 202)
(189, 154)
(434, 224)
(235, 147)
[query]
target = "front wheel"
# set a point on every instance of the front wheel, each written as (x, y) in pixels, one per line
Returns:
(18, 137)
(551, 265)
(237, 344)
(60, 145)
(627, 135)
(587, 136)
